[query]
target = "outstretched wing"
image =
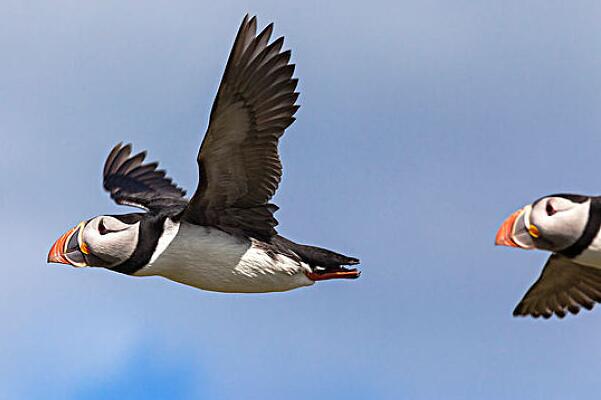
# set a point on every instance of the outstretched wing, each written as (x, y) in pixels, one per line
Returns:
(239, 166)
(132, 182)
(563, 286)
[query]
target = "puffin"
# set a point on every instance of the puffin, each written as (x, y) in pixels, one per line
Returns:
(223, 238)
(567, 225)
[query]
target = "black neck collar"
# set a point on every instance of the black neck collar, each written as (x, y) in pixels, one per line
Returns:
(593, 225)
(151, 228)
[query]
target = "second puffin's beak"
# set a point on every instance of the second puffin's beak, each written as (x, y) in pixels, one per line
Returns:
(67, 249)
(516, 231)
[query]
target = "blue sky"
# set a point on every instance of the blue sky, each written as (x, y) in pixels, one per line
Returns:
(423, 125)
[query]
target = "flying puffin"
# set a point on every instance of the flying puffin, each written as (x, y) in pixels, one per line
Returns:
(567, 225)
(223, 238)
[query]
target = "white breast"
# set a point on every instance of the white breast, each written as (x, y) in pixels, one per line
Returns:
(210, 259)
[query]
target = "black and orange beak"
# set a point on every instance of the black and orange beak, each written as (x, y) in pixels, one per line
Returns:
(516, 231)
(67, 249)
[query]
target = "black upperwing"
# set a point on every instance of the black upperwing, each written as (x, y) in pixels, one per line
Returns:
(238, 162)
(132, 182)
(562, 287)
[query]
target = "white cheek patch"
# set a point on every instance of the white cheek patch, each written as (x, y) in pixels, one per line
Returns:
(527, 212)
(113, 247)
(170, 230)
(563, 228)
(113, 224)
(571, 224)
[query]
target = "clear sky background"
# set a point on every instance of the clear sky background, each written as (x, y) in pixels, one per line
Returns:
(423, 125)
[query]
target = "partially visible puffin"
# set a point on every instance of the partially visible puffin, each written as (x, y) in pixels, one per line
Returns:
(567, 225)
(223, 238)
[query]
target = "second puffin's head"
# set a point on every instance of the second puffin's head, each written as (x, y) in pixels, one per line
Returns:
(104, 241)
(551, 223)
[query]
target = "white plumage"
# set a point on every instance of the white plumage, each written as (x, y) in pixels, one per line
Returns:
(222, 238)
(210, 259)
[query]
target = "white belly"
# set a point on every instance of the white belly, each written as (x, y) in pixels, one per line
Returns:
(211, 259)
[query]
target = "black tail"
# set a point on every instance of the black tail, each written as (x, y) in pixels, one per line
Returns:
(316, 257)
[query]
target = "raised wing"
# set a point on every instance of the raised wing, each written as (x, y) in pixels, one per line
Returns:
(239, 166)
(563, 286)
(132, 182)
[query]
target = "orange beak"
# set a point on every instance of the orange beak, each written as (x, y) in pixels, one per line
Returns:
(505, 233)
(59, 248)
(517, 231)
(66, 250)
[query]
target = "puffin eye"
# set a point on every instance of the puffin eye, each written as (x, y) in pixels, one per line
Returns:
(109, 225)
(549, 209)
(102, 229)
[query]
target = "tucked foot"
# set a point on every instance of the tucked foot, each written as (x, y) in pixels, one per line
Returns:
(338, 273)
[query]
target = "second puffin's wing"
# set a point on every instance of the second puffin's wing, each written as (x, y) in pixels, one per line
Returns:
(563, 286)
(239, 165)
(132, 182)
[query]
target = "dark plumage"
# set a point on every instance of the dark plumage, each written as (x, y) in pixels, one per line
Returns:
(224, 237)
(567, 225)
(133, 183)
(563, 285)
(238, 162)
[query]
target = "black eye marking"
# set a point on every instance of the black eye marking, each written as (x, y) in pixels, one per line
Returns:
(102, 229)
(549, 208)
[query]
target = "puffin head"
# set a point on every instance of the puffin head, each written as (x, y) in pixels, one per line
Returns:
(552, 223)
(103, 241)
